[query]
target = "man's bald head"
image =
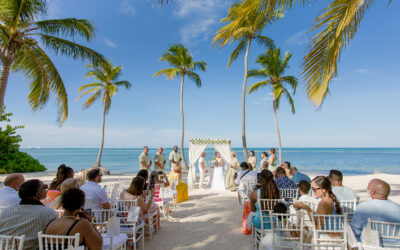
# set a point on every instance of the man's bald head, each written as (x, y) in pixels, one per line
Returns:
(14, 181)
(379, 189)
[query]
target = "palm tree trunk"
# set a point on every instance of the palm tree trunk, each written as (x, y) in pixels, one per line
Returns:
(277, 131)
(246, 156)
(184, 165)
(97, 164)
(5, 71)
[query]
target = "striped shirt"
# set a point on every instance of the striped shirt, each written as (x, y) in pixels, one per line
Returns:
(26, 220)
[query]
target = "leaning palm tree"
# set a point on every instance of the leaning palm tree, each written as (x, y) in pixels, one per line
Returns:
(273, 70)
(20, 38)
(106, 86)
(244, 28)
(183, 65)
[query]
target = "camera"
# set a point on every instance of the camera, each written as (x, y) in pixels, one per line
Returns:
(152, 182)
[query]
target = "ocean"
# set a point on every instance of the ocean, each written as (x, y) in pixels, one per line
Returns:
(351, 161)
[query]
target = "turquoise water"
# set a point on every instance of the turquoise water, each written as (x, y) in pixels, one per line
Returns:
(351, 161)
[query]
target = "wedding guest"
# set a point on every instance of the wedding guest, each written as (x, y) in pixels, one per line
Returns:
(144, 159)
(182, 188)
(9, 193)
(233, 170)
(282, 181)
(66, 185)
(75, 221)
(252, 160)
(378, 208)
(28, 217)
(202, 169)
(136, 191)
(264, 165)
(160, 180)
(304, 190)
(175, 158)
(286, 166)
(272, 160)
(159, 160)
(297, 176)
(96, 197)
(342, 192)
(63, 173)
(264, 158)
(247, 175)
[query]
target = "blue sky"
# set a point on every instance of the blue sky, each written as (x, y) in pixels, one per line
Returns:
(362, 110)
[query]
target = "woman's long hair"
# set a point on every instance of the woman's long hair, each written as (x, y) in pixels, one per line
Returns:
(62, 175)
(268, 189)
(324, 183)
(136, 187)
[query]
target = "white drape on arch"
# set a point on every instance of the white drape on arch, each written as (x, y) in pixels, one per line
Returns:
(225, 151)
(195, 151)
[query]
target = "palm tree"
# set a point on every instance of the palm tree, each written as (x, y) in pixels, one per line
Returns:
(274, 67)
(244, 28)
(106, 86)
(183, 65)
(20, 50)
(336, 26)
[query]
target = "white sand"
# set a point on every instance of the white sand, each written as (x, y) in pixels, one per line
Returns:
(212, 220)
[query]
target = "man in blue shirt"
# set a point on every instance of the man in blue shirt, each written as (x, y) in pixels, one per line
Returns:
(282, 181)
(378, 208)
(297, 176)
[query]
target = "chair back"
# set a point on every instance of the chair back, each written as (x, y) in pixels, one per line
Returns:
(329, 229)
(289, 194)
(266, 206)
(9, 242)
(348, 207)
(58, 242)
(307, 246)
(246, 186)
(389, 232)
(100, 218)
(288, 229)
(60, 212)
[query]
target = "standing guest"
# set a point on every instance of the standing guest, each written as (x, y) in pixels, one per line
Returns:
(202, 169)
(30, 216)
(75, 221)
(63, 173)
(8, 194)
(182, 188)
(233, 170)
(144, 159)
(343, 193)
(96, 197)
(272, 160)
(297, 176)
(378, 208)
(282, 181)
(175, 158)
(252, 160)
(66, 185)
(264, 158)
(159, 160)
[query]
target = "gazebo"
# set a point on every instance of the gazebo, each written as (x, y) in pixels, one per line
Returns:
(197, 146)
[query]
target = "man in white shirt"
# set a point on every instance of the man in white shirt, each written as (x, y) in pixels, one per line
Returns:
(246, 175)
(341, 192)
(145, 160)
(159, 160)
(202, 169)
(95, 196)
(8, 194)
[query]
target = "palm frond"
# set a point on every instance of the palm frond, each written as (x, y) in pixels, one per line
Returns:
(89, 85)
(21, 10)
(256, 73)
(96, 89)
(89, 102)
(195, 78)
(290, 99)
(97, 74)
(171, 73)
(237, 51)
(292, 81)
(285, 61)
(126, 84)
(200, 65)
(69, 27)
(256, 86)
(264, 41)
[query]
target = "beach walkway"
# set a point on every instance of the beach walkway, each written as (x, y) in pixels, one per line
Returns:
(209, 220)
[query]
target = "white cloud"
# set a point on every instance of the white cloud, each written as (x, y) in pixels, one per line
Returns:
(110, 43)
(264, 100)
(127, 8)
(362, 71)
(200, 16)
(53, 8)
(300, 38)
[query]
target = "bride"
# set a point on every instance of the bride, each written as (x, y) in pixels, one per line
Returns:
(218, 175)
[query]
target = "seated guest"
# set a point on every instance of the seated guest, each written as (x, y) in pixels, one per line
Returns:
(245, 175)
(135, 191)
(75, 221)
(282, 181)
(264, 165)
(304, 190)
(378, 208)
(182, 188)
(66, 185)
(30, 216)
(63, 173)
(160, 180)
(8, 194)
(343, 193)
(96, 197)
(297, 176)
(268, 190)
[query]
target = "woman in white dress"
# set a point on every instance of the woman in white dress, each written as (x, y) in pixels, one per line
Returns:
(218, 176)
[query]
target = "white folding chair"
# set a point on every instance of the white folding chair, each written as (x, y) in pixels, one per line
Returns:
(114, 243)
(162, 200)
(151, 220)
(288, 230)
(307, 246)
(58, 242)
(348, 207)
(329, 229)
(289, 194)
(245, 187)
(389, 233)
(113, 191)
(8, 242)
(100, 218)
(130, 223)
(124, 181)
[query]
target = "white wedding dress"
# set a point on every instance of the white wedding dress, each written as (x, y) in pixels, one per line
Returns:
(218, 182)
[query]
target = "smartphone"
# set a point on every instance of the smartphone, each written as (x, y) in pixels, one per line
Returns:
(89, 210)
(235, 176)
(160, 172)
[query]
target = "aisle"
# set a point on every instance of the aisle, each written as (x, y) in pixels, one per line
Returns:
(210, 220)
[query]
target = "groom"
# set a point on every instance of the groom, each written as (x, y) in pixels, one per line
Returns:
(202, 169)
